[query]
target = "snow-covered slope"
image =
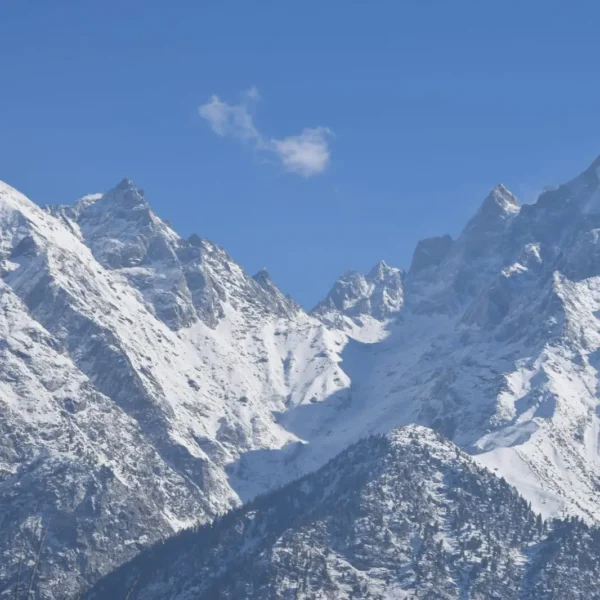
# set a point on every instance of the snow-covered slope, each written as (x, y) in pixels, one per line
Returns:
(192, 357)
(496, 346)
(402, 516)
(72, 461)
(229, 389)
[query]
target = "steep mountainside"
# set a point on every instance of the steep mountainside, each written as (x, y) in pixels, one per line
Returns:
(406, 515)
(143, 366)
(496, 345)
(74, 463)
(98, 332)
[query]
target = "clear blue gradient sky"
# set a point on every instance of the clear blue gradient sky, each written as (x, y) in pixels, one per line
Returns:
(430, 104)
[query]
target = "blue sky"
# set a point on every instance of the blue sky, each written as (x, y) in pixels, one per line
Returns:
(333, 133)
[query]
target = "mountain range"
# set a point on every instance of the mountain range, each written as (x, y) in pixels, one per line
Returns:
(148, 385)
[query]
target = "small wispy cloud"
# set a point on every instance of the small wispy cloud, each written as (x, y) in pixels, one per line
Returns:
(252, 93)
(226, 119)
(306, 153)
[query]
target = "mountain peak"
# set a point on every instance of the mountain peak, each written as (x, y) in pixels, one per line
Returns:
(127, 194)
(381, 264)
(499, 206)
(195, 240)
(262, 277)
(379, 295)
(125, 184)
(381, 270)
(502, 198)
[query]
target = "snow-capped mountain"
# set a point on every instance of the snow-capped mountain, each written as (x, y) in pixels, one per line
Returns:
(149, 384)
(496, 346)
(406, 515)
(138, 366)
(361, 305)
(182, 281)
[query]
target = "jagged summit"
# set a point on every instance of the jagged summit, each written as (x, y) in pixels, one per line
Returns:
(125, 184)
(126, 194)
(381, 270)
(499, 206)
(263, 278)
(195, 240)
(183, 281)
(502, 195)
(355, 297)
(500, 198)
(262, 275)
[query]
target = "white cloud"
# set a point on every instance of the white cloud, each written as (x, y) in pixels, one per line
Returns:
(306, 154)
(225, 119)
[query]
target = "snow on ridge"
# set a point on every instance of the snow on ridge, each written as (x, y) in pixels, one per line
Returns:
(364, 305)
(492, 342)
